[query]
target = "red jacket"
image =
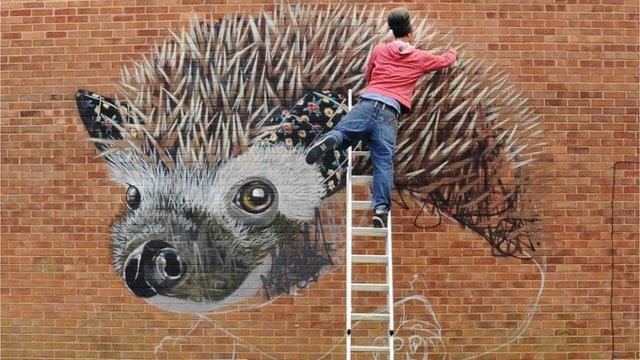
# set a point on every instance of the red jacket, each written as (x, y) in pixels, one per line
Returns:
(395, 67)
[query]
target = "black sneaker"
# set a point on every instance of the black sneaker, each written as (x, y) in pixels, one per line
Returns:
(321, 147)
(380, 218)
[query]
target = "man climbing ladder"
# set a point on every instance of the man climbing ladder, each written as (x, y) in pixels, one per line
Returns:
(392, 74)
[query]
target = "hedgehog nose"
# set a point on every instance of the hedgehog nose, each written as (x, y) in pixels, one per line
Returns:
(155, 269)
(135, 279)
(169, 265)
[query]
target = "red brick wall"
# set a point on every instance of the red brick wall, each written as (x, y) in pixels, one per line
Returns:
(577, 62)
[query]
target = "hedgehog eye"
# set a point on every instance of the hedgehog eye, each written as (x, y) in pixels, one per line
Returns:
(254, 197)
(253, 201)
(133, 197)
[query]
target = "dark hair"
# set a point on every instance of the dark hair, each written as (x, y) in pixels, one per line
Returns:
(399, 22)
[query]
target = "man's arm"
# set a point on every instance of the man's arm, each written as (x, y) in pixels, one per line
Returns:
(433, 62)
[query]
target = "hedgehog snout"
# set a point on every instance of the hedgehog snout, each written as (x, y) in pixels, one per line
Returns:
(154, 268)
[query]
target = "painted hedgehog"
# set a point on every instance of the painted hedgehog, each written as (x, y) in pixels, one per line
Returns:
(207, 138)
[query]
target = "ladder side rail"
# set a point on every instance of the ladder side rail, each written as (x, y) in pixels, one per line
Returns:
(349, 247)
(390, 283)
(349, 256)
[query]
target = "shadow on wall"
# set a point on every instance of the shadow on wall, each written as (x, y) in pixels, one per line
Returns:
(208, 140)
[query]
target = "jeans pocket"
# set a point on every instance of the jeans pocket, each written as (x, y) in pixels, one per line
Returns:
(387, 125)
(388, 117)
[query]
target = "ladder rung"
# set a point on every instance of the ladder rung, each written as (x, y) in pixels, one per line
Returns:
(369, 259)
(369, 287)
(369, 231)
(361, 205)
(365, 348)
(360, 153)
(372, 316)
(362, 179)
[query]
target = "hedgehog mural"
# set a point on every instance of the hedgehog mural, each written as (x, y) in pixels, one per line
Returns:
(207, 138)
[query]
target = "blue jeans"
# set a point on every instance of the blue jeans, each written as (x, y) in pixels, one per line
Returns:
(370, 121)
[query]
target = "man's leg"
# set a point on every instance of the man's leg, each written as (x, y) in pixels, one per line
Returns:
(382, 145)
(349, 130)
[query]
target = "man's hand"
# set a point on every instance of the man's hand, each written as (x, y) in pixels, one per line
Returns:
(454, 51)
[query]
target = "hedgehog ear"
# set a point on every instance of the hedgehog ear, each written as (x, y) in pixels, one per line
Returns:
(100, 116)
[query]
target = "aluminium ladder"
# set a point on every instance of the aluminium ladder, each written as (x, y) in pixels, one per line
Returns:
(366, 259)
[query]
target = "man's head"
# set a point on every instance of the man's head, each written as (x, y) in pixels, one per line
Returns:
(399, 22)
